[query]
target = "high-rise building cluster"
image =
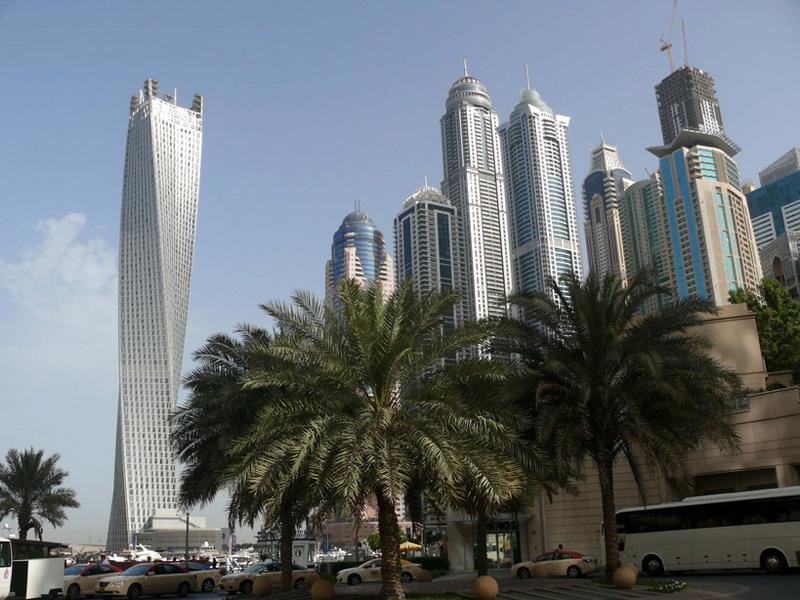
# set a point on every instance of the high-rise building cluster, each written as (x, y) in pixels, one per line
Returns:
(688, 224)
(505, 220)
(506, 217)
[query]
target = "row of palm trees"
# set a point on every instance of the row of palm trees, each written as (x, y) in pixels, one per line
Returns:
(376, 400)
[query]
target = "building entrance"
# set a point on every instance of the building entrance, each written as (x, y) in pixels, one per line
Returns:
(502, 544)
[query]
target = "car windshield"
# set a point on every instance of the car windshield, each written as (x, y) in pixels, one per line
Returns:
(255, 568)
(74, 570)
(370, 563)
(138, 569)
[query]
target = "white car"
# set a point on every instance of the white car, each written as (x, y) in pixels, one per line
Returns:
(371, 571)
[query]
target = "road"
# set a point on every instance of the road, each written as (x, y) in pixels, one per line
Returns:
(745, 585)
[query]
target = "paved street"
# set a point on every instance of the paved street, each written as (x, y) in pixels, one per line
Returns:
(744, 585)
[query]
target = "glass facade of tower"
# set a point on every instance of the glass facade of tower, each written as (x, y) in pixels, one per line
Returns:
(428, 249)
(775, 208)
(601, 190)
(543, 220)
(473, 182)
(707, 223)
(157, 234)
(358, 252)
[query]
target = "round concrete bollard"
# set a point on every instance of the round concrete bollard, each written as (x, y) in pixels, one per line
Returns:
(485, 588)
(633, 567)
(424, 576)
(262, 586)
(310, 580)
(624, 578)
(539, 572)
(322, 590)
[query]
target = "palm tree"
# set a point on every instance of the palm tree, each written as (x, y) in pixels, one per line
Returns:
(372, 403)
(30, 489)
(607, 386)
(218, 412)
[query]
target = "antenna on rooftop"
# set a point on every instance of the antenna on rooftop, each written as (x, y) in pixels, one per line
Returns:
(685, 51)
(527, 77)
(465, 68)
(426, 181)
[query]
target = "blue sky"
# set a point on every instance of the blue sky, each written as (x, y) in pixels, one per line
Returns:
(308, 106)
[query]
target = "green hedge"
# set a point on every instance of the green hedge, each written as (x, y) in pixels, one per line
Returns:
(334, 567)
(429, 563)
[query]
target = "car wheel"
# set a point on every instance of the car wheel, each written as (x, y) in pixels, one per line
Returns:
(406, 577)
(208, 585)
(773, 562)
(353, 580)
(299, 583)
(524, 573)
(574, 572)
(246, 587)
(74, 591)
(134, 592)
(183, 589)
(653, 566)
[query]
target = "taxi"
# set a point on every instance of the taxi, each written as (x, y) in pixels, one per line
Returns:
(371, 571)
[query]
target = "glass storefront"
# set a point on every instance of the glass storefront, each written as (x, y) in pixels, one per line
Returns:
(502, 544)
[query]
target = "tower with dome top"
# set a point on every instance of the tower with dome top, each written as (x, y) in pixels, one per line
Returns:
(358, 252)
(474, 184)
(428, 246)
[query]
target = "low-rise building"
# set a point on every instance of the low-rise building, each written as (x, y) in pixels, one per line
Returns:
(768, 423)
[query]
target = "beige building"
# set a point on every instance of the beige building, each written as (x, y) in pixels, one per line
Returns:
(768, 424)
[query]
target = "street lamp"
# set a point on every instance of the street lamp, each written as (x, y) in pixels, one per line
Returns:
(188, 512)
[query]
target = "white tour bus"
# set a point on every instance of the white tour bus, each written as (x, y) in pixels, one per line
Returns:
(745, 530)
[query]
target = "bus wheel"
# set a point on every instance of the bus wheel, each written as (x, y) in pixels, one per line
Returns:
(772, 562)
(653, 566)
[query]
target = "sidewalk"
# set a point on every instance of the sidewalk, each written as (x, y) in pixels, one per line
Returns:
(542, 589)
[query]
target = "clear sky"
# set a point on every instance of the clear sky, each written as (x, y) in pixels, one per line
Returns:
(308, 106)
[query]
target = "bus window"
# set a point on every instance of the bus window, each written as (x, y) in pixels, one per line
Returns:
(640, 523)
(5, 554)
(672, 519)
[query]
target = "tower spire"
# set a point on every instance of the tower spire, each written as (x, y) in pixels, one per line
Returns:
(602, 139)
(426, 181)
(465, 68)
(527, 78)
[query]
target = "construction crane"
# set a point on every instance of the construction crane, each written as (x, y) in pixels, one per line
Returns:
(667, 45)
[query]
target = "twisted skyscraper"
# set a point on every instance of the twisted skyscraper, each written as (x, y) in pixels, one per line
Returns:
(157, 232)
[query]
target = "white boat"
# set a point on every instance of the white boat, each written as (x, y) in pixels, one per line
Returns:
(145, 554)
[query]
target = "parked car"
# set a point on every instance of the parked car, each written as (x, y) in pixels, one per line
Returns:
(561, 562)
(371, 571)
(148, 579)
(243, 582)
(79, 580)
(207, 578)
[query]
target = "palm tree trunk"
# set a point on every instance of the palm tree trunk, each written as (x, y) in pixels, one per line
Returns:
(480, 529)
(605, 468)
(390, 551)
(287, 537)
(23, 524)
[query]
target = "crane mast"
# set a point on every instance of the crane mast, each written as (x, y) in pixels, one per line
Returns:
(667, 45)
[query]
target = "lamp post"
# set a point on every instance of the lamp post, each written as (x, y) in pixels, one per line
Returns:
(188, 512)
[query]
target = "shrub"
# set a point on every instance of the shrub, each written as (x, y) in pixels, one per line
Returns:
(332, 568)
(431, 563)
